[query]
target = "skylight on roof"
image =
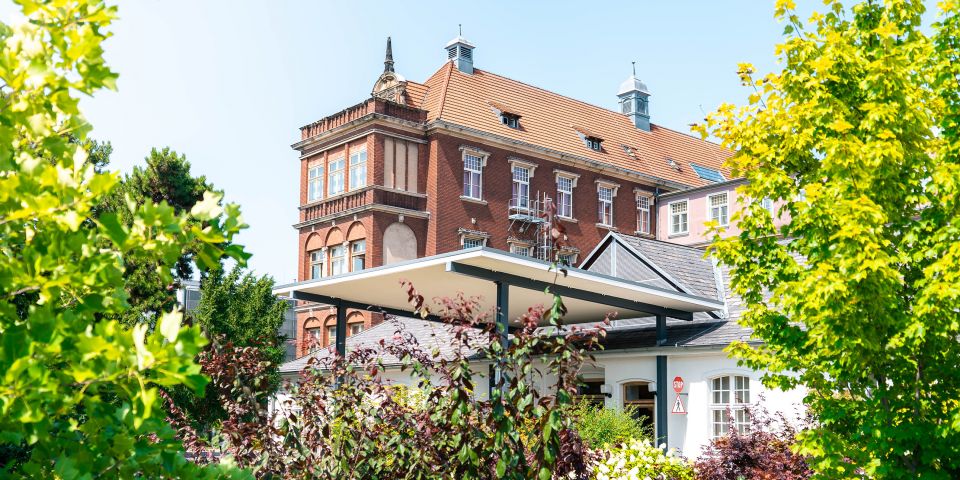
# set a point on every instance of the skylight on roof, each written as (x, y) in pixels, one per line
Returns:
(708, 174)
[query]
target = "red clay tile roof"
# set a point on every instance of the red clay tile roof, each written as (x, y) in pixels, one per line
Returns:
(415, 93)
(462, 99)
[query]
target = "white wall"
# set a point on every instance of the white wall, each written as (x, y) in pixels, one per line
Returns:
(691, 432)
(687, 433)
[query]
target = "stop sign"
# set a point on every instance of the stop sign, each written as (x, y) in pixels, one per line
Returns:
(678, 384)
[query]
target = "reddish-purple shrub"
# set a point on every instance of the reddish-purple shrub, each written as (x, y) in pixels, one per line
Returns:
(763, 451)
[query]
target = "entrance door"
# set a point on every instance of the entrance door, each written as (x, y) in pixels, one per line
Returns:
(638, 398)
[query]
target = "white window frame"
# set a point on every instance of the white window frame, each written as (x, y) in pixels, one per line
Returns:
(569, 256)
(338, 263)
(335, 172)
(473, 174)
(733, 397)
(679, 227)
(317, 258)
(606, 192)
(720, 212)
(565, 209)
(315, 183)
(358, 168)
(316, 334)
(524, 249)
(358, 251)
(520, 188)
(331, 334)
(353, 330)
(472, 241)
(768, 205)
(644, 218)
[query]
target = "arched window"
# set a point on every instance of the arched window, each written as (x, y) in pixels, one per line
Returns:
(729, 396)
(312, 335)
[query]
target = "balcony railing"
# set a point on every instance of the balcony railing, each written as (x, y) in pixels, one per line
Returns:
(357, 199)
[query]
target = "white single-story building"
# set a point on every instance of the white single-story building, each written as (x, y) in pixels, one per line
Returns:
(664, 354)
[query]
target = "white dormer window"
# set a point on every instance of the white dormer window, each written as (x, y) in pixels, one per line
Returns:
(510, 120)
(594, 143)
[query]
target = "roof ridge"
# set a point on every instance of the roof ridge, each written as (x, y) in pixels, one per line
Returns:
(664, 242)
(550, 92)
(446, 85)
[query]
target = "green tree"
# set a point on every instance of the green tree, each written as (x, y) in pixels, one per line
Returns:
(858, 137)
(241, 309)
(166, 177)
(81, 394)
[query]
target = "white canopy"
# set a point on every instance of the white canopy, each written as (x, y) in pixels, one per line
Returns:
(475, 272)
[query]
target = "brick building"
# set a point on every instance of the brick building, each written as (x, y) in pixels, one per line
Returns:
(470, 158)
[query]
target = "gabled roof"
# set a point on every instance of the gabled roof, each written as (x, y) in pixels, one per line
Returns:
(464, 99)
(430, 337)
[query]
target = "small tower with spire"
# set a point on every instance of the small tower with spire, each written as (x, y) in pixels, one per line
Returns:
(460, 52)
(390, 86)
(635, 100)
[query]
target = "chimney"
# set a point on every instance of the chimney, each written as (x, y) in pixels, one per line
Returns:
(460, 51)
(635, 101)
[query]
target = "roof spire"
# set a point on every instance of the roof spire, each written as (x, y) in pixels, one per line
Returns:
(460, 27)
(388, 60)
(634, 68)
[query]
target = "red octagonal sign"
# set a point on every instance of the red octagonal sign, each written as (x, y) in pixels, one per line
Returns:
(678, 384)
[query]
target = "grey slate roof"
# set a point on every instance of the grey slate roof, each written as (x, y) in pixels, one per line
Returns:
(684, 266)
(429, 335)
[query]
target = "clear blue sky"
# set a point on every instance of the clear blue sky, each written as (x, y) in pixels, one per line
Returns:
(229, 83)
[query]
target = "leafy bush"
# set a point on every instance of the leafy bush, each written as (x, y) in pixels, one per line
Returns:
(764, 451)
(641, 459)
(79, 391)
(599, 426)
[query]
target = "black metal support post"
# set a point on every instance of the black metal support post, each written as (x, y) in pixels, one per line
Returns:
(662, 387)
(341, 329)
(503, 326)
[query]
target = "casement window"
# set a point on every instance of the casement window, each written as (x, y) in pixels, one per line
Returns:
(678, 217)
(335, 180)
(355, 328)
(718, 208)
(521, 249)
(471, 241)
(729, 397)
(593, 143)
(605, 194)
(313, 338)
(567, 258)
(358, 251)
(767, 204)
(358, 168)
(338, 261)
(510, 120)
(643, 214)
(472, 175)
(331, 334)
(316, 264)
(565, 196)
(521, 188)
(315, 183)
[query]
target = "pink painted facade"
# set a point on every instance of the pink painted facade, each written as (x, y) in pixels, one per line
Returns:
(701, 205)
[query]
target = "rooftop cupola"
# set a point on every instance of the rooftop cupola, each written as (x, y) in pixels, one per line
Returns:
(460, 51)
(635, 101)
(391, 85)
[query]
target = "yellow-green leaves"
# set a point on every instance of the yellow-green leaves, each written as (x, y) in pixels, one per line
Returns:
(79, 392)
(857, 296)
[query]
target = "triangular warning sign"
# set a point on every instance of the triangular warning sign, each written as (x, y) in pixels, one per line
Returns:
(678, 407)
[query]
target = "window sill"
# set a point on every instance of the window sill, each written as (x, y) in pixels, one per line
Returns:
(473, 200)
(567, 219)
(643, 234)
(681, 234)
(608, 227)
